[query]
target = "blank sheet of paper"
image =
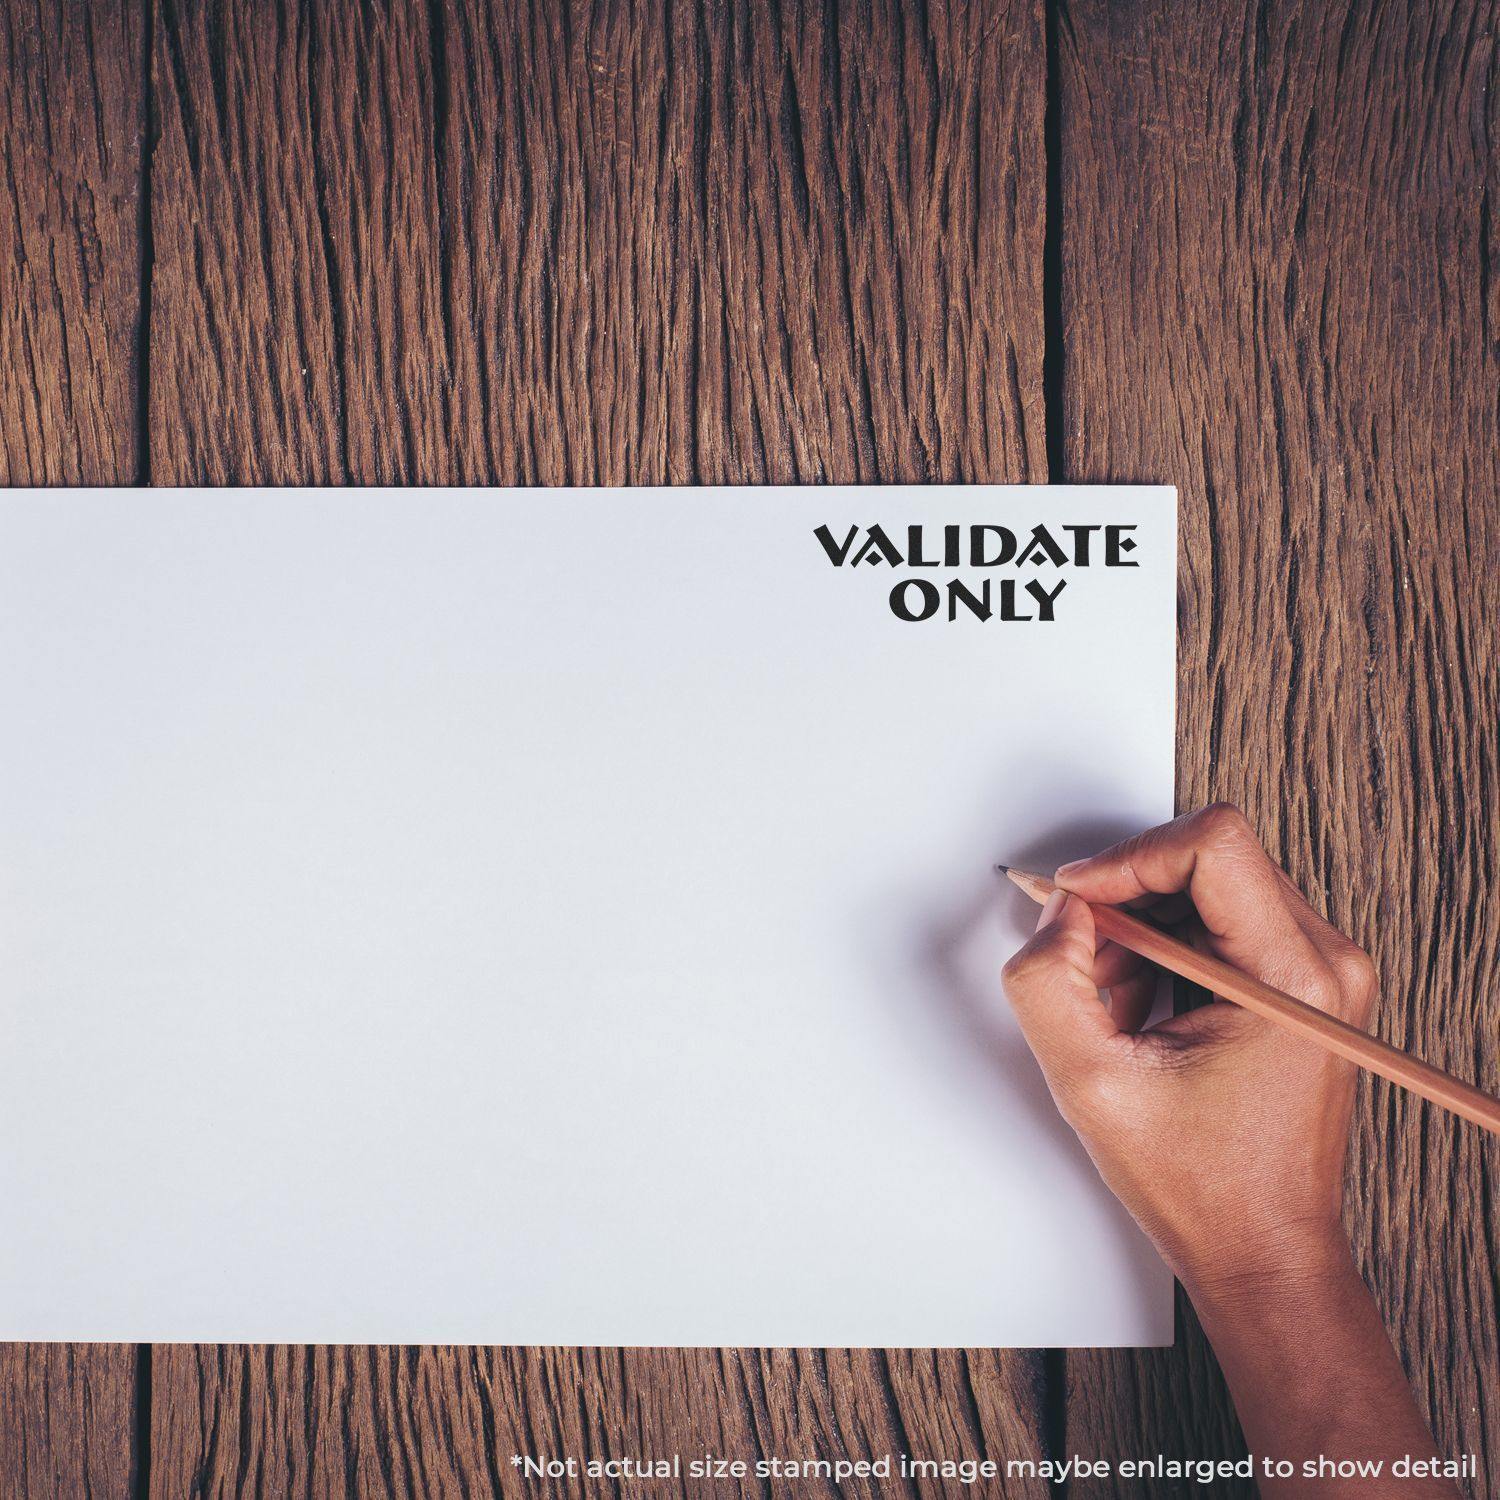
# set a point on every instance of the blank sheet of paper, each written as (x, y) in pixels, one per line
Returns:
(559, 916)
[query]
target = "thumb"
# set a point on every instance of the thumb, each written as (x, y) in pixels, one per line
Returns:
(1051, 988)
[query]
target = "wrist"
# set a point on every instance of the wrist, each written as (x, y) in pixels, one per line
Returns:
(1296, 1269)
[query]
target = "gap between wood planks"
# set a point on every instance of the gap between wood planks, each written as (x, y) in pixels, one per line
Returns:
(1053, 1362)
(149, 130)
(140, 1411)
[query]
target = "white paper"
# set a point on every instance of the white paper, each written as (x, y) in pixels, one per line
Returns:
(552, 916)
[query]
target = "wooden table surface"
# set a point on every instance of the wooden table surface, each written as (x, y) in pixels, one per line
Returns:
(1248, 249)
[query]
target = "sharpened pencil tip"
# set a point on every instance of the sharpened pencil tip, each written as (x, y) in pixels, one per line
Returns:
(1003, 869)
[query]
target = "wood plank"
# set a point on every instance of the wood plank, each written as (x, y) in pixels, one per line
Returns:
(69, 1420)
(1280, 293)
(245, 381)
(71, 119)
(751, 246)
(71, 105)
(475, 243)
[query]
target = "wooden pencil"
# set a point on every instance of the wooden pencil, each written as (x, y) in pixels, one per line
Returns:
(1294, 1015)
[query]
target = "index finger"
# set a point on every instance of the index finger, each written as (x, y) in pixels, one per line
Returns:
(1214, 856)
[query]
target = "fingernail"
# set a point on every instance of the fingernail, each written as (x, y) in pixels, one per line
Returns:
(1071, 868)
(1050, 909)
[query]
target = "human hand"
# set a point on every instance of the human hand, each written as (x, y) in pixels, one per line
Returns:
(1222, 1134)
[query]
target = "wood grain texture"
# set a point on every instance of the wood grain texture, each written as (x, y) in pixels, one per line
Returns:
(71, 116)
(245, 384)
(464, 242)
(573, 244)
(1280, 292)
(71, 113)
(253, 1421)
(69, 1421)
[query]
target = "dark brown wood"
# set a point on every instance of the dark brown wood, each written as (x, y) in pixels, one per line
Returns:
(464, 244)
(72, 99)
(69, 1420)
(1280, 292)
(475, 243)
(71, 113)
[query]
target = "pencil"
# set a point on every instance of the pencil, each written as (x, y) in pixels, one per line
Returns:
(1294, 1015)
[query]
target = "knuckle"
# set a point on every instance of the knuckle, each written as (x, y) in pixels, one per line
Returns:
(1320, 986)
(1323, 995)
(1224, 822)
(1022, 968)
(1356, 972)
(1037, 956)
(1128, 853)
(1300, 970)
